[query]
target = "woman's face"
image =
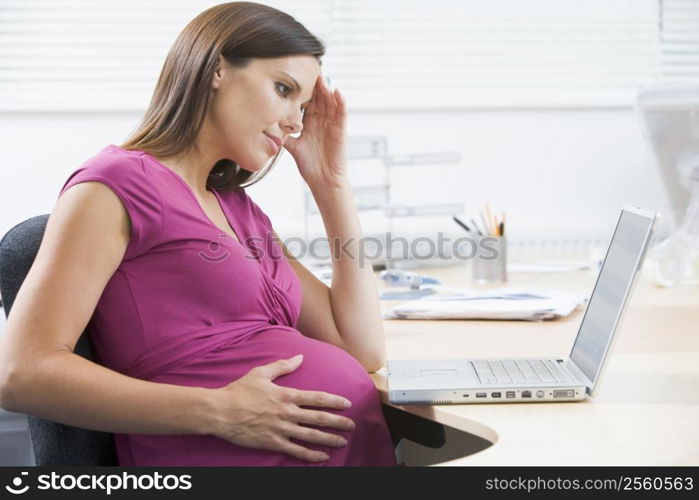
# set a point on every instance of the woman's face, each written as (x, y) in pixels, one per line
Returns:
(250, 104)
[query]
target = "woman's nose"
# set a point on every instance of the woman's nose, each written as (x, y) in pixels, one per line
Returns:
(294, 124)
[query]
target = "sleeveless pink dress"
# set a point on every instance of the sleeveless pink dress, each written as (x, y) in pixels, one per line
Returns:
(191, 306)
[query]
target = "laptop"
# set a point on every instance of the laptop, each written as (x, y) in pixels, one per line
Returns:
(459, 381)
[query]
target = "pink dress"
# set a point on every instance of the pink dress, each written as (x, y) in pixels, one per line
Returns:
(191, 306)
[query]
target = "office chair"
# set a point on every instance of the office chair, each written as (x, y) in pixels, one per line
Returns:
(59, 444)
(53, 443)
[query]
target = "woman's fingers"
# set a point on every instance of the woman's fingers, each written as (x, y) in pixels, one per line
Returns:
(278, 368)
(341, 103)
(326, 103)
(283, 445)
(326, 99)
(323, 419)
(320, 98)
(317, 398)
(314, 436)
(257, 413)
(332, 107)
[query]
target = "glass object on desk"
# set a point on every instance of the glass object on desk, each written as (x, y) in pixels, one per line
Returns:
(415, 238)
(669, 116)
(421, 208)
(671, 261)
(490, 262)
(373, 174)
(370, 202)
(368, 175)
(418, 210)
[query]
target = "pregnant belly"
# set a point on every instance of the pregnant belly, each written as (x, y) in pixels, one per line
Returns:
(324, 368)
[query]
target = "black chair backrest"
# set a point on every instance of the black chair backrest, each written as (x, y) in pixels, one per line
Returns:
(54, 443)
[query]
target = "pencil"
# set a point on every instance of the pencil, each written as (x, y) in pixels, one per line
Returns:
(488, 229)
(489, 216)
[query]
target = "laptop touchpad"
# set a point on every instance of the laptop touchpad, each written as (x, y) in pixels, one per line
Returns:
(439, 373)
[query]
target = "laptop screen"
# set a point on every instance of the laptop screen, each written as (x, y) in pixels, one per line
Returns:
(616, 276)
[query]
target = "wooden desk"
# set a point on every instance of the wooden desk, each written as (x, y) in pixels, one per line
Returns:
(645, 413)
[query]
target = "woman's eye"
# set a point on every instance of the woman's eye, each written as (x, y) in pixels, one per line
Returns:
(279, 84)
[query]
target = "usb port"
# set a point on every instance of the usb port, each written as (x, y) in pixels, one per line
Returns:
(526, 394)
(495, 394)
(510, 394)
(480, 394)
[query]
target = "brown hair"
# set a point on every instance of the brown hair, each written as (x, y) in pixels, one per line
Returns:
(239, 31)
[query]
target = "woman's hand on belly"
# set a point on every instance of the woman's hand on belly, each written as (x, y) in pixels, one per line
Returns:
(254, 412)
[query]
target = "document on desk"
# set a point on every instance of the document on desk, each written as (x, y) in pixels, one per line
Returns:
(547, 266)
(500, 303)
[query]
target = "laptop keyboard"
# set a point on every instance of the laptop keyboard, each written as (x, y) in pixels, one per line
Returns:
(518, 371)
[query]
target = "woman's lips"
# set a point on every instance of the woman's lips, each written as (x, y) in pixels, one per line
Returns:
(275, 146)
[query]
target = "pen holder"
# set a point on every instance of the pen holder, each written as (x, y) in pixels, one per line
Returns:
(490, 261)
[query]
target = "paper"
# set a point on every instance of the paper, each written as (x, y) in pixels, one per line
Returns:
(502, 303)
(405, 294)
(547, 266)
(457, 293)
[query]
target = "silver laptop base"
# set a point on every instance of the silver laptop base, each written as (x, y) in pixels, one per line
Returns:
(490, 395)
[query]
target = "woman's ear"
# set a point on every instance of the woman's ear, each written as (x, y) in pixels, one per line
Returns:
(218, 73)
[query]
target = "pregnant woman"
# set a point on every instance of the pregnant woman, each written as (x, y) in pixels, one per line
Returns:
(215, 346)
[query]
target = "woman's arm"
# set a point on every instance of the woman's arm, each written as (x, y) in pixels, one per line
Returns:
(64, 387)
(352, 303)
(347, 314)
(84, 242)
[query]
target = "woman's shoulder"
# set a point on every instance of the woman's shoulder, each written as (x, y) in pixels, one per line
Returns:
(124, 173)
(115, 161)
(114, 166)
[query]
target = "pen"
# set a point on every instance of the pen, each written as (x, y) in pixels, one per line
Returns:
(468, 229)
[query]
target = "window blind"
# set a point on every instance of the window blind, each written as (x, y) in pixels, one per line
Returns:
(455, 53)
(99, 55)
(679, 26)
(87, 55)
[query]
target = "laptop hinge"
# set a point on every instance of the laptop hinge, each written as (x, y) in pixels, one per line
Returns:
(575, 372)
